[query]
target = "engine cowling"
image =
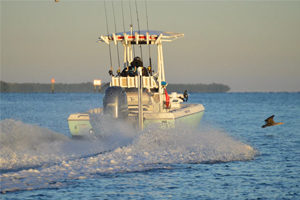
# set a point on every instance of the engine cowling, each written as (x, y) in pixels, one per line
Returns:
(115, 103)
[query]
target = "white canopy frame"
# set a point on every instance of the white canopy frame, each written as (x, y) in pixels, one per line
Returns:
(140, 38)
(143, 38)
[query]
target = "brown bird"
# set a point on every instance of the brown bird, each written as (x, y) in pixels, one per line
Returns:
(270, 122)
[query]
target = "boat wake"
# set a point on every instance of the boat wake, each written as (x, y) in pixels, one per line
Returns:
(24, 146)
(32, 157)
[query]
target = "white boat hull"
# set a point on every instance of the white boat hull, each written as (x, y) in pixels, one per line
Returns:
(189, 115)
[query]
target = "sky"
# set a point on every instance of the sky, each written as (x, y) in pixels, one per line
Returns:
(251, 46)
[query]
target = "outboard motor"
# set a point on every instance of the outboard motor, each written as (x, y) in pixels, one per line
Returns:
(115, 103)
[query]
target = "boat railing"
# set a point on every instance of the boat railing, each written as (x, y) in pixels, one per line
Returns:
(132, 82)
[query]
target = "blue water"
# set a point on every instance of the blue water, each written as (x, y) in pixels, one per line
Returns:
(38, 160)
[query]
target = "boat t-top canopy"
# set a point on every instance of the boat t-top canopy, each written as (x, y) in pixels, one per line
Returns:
(130, 38)
(140, 37)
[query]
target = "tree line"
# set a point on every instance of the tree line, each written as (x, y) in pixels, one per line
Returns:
(89, 87)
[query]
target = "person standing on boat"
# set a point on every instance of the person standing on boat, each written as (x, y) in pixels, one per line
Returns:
(132, 69)
(137, 62)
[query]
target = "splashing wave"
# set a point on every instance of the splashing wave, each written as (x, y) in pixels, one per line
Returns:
(24, 145)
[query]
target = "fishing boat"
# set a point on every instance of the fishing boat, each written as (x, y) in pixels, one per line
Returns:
(138, 94)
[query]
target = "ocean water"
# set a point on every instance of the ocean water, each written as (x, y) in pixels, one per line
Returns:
(229, 156)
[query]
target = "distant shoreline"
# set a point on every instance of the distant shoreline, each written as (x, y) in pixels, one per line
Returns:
(6, 87)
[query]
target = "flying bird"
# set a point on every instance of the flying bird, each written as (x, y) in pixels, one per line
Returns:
(270, 122)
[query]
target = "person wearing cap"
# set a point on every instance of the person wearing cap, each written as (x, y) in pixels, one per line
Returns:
(137, 62)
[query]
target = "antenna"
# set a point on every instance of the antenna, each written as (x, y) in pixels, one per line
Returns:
(138, 21)
(131, 26)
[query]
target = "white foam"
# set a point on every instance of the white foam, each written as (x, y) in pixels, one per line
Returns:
(24, 145)
(131, 151)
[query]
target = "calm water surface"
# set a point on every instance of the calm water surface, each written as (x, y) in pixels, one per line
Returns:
(38, 160)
